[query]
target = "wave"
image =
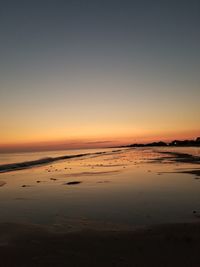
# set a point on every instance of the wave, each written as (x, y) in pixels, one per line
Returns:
(29, 164)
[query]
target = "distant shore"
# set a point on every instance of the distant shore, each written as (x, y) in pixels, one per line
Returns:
(175, 143)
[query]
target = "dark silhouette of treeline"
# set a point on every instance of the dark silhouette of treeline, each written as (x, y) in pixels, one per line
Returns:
(195, 142)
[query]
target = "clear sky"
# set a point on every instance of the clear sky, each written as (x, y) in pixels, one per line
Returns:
(89, 72)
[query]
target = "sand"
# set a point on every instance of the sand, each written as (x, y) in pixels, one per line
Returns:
(92, 243)
(163, 246)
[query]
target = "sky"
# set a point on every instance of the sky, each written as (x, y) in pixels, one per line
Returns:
(96, 73)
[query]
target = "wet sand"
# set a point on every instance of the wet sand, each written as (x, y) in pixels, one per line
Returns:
(178, 157)
(33, 245)
(39, 203)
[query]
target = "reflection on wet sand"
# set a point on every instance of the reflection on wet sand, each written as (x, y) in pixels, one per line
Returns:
(81, 210)
(135, 186)
(92, 173)
(178, 157)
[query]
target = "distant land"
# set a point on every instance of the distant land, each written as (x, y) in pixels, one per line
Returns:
(195, 142)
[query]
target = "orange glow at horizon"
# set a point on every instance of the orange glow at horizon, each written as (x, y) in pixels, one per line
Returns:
(95, 141)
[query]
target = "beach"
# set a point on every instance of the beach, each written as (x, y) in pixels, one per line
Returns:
(108, 207)
(100, 133)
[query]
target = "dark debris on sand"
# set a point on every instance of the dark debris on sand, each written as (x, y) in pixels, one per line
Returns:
(2, 183)
(73, 183)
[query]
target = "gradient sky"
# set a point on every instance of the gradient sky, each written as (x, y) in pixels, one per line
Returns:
(98, 71)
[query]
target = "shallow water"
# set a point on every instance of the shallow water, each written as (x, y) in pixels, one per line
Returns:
(8, 158)
(119, 187)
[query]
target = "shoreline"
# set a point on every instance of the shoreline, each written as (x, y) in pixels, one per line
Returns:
(172, 156)
(39, 162)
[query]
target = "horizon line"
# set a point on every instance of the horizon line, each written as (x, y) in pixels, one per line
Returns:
(79, 144)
